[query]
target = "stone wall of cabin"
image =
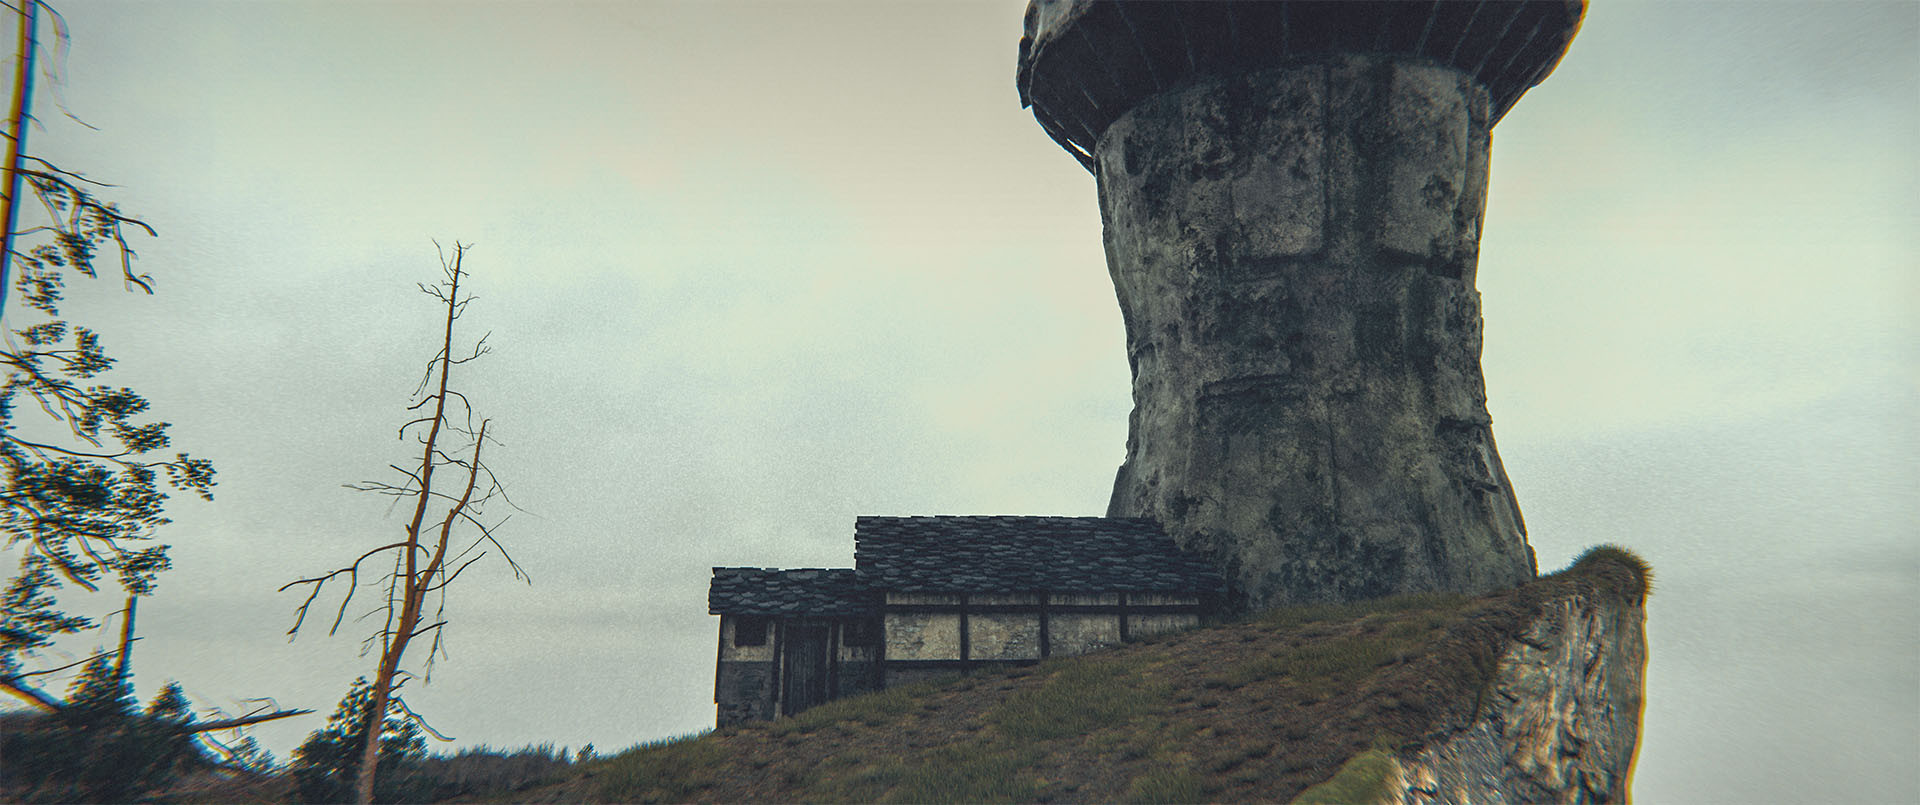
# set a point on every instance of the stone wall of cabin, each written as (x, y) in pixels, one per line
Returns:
(743, 683)
(1004, 636)
(746, 683)
(859, 666)
(1008, 627)
(915, 645)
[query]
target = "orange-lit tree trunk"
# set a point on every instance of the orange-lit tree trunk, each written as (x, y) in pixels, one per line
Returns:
(17, 139)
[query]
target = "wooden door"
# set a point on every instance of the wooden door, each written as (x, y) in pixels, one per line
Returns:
(808, 650)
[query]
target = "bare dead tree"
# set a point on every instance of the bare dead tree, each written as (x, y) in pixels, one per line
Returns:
(426, 559)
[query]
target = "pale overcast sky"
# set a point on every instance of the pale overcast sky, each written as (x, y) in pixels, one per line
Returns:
(752, 270)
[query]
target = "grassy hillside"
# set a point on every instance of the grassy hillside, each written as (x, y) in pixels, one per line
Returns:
(1260, 709)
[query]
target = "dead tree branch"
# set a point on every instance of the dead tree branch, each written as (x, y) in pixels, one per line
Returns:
(423, 563)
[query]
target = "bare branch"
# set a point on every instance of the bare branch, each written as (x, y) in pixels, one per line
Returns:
(417, 719)
(55, 169)
(442, 584)
(352, 572)
(243, 721)
(423, 563)
(73, 664)
(30, 694)
(425, 629)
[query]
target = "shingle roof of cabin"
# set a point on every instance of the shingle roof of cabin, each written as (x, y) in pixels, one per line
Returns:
(764, 591)
(1023, 554)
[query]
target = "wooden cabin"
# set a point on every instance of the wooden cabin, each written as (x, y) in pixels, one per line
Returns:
(933, 595)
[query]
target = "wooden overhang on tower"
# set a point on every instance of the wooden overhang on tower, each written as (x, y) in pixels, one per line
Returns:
(1084, 63)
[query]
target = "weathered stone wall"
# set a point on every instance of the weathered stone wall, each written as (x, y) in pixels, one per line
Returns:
(1294, 253)
(857, 677)
(743, 691)
(1003, 636)
(1073, 633)
(922, 598)
(1003, 599)
(1561, 724)
(1074, 623)
(1162, 600)
(922, 636)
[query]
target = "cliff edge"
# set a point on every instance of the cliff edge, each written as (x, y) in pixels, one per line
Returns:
(1561, 722)
(1531, 694)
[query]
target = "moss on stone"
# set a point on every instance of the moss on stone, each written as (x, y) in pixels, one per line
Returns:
(1631, 575)
(1367, 778)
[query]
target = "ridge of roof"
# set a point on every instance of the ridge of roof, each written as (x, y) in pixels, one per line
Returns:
(1025, 553)
(972, 554)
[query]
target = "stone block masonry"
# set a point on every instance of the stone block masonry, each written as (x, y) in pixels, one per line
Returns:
(1293, 250)
(1292, 198)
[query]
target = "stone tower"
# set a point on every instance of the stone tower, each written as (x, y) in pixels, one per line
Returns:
(1292, 196)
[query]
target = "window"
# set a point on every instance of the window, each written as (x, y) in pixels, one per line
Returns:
(749, 630)
(862, 633)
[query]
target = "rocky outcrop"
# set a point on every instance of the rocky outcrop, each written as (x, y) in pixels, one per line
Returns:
(1559, 721)
(1561, 724)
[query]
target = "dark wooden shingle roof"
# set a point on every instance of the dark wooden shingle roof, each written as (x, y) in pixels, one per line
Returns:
(765, 591)
(1025, 554)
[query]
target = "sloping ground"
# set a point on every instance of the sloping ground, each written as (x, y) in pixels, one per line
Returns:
(1260, 710)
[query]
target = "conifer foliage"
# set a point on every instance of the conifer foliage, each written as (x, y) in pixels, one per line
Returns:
(99, 748)
(81, 483)
(327, 766)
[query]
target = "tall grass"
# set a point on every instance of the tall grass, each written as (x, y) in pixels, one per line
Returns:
(970, 771)
(669, 770)
(484, 770)
(1079, 697)
(1170, 785)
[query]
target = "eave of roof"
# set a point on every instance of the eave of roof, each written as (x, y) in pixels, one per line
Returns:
(1084, 63)
(826, 592)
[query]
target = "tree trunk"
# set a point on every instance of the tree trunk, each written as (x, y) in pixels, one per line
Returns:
(124, 664)
(17, 141)
(377, 710)
(415, 580)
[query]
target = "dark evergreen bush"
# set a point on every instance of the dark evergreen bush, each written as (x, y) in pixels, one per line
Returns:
(98, 748)
(326, 766)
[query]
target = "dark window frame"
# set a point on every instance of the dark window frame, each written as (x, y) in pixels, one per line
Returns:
(750, 630)
(860, 633)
